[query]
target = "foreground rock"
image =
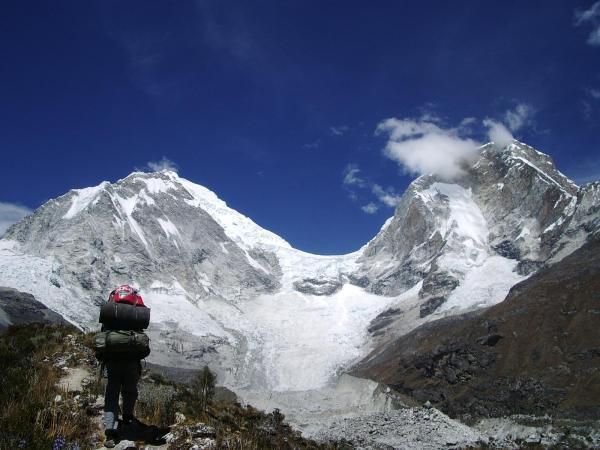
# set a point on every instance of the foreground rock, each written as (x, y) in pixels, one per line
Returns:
(408, 428)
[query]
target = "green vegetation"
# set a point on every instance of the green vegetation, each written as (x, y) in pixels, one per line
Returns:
(31, 414)
(203, 388)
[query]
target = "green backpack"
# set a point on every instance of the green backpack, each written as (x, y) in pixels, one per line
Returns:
(121, 344)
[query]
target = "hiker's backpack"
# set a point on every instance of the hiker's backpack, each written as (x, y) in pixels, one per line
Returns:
(123, 318)
(121, 344)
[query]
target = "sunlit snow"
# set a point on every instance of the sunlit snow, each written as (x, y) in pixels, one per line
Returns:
(305, 339)
(484, 286)
(82, 198)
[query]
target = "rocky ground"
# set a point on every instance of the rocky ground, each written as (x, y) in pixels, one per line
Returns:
(428, 428)
(407, 428)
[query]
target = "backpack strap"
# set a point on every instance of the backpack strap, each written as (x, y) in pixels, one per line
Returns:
(101, 371)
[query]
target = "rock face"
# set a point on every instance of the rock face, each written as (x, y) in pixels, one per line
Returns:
(538, 352)
(512, 203)
(17, 308)
(149, 228)
(315, 286)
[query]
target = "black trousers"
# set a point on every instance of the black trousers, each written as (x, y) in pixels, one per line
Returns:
(123, 377)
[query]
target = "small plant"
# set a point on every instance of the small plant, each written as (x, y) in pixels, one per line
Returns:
(203, 388)
(277, 418)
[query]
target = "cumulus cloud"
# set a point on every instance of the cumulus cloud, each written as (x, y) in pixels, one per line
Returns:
(163, 165)
(339, 130)
(498, 133)
(519, 117)
(352, 177)
(386, 196)
(370, 208)
(11, 213)
(421, 146)
(590, 16)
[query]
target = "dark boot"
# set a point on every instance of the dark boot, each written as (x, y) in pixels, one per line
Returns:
(132, 422)
(112, 438)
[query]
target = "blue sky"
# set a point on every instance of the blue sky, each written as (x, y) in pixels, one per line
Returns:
(280, 107)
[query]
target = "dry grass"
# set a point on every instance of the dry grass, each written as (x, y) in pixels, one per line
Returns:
(30, 418)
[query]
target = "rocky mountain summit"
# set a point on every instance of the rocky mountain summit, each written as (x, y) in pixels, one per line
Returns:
(511, 203)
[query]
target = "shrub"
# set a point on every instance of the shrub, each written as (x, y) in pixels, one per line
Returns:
(203, 388)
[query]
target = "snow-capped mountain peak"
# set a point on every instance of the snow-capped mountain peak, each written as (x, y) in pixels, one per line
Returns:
(241, 298)
(467, 241)
(238, 227)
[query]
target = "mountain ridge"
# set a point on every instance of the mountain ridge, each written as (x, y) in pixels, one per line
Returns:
(268, 317)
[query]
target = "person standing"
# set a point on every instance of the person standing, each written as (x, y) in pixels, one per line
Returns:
(123, 373)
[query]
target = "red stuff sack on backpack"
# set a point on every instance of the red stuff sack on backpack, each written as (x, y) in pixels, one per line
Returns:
(126, 294)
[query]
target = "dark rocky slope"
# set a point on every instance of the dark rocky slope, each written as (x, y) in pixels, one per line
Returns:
(17, 308)
(537, 352)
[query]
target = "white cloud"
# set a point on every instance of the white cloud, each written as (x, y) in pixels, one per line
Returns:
(352, 177)
(11, 213)
(586, 109)
(370, 208)
(421, 146)
(312, 145)
(353, 181)
(591, 16)
(588, 15)
(466, 126)
(386, 196)
(594, 93)
(164, 164)
(519, 117)
(498, 133)
(340, 130)
(594, 37)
